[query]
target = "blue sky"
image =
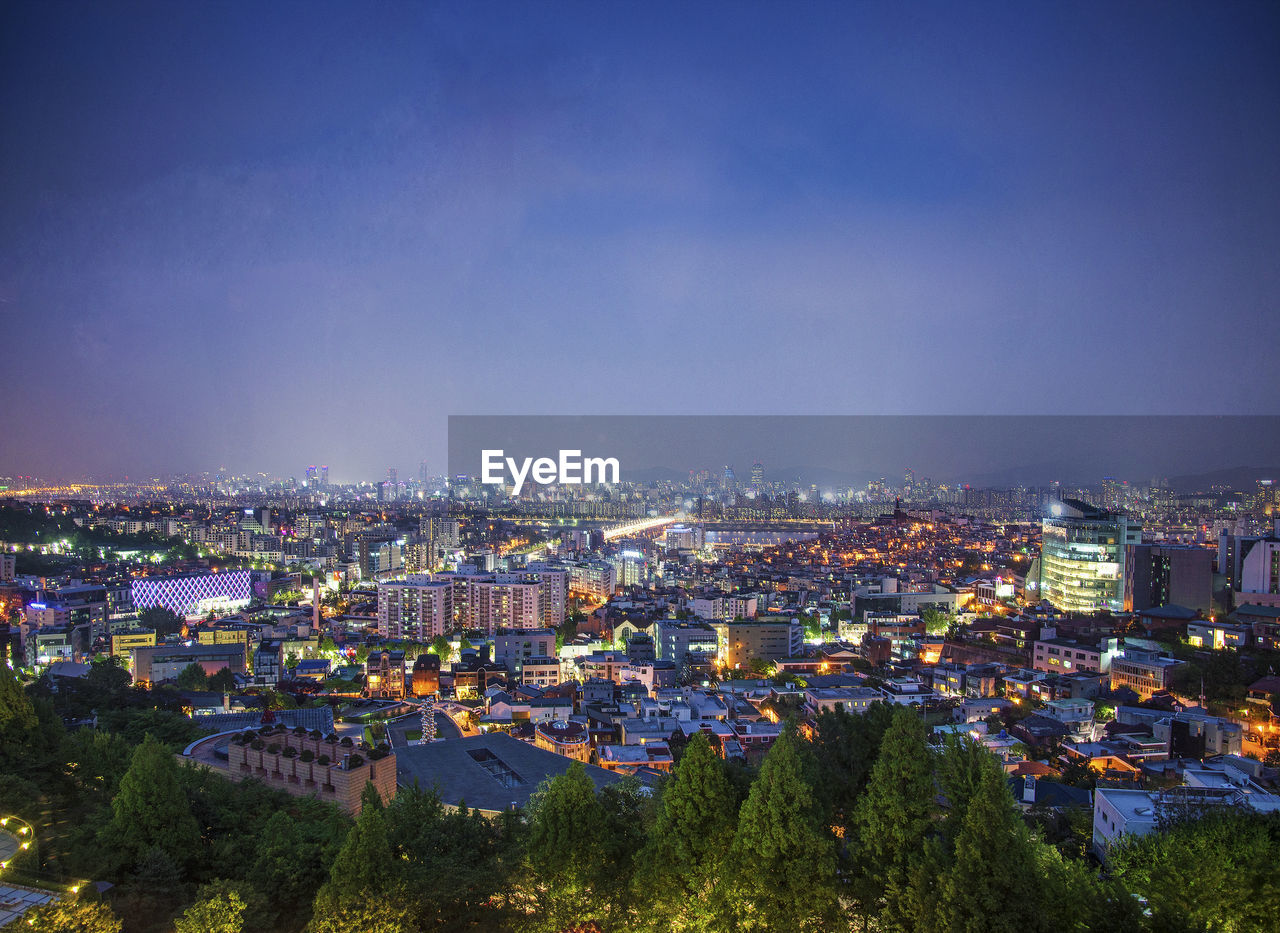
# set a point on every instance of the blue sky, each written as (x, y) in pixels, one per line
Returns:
(267, 235)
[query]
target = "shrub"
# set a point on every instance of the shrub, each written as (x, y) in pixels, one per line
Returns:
(322, 760)
(307, 755)
(273, 748)
(258, 745)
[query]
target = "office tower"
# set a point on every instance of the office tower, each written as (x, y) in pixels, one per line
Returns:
(423, 476)
(324, 476)
(1082, 556)
(729, 480)
(757, 475)
(311, 476)
(908, 479)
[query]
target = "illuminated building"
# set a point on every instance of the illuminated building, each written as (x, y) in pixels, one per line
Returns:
(384, 675)
(194, 593)
(1082, 556)
(565, 738)
(415, 609)
(426, 675)
(124, 642)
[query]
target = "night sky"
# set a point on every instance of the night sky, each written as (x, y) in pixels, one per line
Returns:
(265, 235)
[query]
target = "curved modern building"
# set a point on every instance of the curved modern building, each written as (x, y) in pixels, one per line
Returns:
(1082, 556)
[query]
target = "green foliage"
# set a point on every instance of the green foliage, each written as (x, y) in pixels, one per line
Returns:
(19, 724)
(193, 677)
(164, 621)
(455, 862)
(688, 847)
(224, 681)
(219, 908)
(893, 818)
(71, 916)
(566, 823)
(150, 810)
(365, 866)
(1212, 873)
(172, 728)
(784, 860)
(845, 746)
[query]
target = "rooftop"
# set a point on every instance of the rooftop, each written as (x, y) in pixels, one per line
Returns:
(489, 772)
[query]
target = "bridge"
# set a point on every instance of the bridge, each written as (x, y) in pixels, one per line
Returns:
(638, 527)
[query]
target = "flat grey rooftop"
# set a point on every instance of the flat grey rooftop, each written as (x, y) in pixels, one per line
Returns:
(487, 772)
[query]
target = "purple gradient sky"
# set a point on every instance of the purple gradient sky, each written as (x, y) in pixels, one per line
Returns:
(267, 235)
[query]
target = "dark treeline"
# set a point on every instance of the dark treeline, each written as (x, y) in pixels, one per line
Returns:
(863, 826)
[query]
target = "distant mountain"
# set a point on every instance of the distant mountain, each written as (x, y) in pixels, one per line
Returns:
(1242, 478)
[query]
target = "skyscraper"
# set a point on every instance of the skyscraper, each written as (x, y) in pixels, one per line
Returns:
(311, 476)
(757, 475)
(324, 476)
(1082, 556)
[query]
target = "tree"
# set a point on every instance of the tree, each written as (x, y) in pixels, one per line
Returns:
(845, 746)
(19, 725)
(365, 867)
(687, 849)
(441, 647)
(224, 681)
(219, 909)
(363, 916)
(566, 825)
(67, 916)
(193, 677)
(935, 621)
(1214, 872)
(784, 874)
(150, 809)
(893, 818)
(991, 884)
(163, 621)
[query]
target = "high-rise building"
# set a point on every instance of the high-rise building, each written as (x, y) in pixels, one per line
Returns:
(757, 475)
(311, 476)
(729, 480)
(908, 479)
(324, 476)
(1163, 575)
(1082, 556)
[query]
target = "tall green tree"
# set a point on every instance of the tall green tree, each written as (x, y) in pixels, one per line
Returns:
(224, 681)
(893, 818)
(150, 810)
(19, 725)
(991, 885)
(365, 866)
(784, 875)
(687, 850)
(566, 828)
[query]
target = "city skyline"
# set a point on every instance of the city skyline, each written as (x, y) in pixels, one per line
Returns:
(334, 222)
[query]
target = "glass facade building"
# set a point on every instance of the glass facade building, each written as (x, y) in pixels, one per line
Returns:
(1082, 556)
